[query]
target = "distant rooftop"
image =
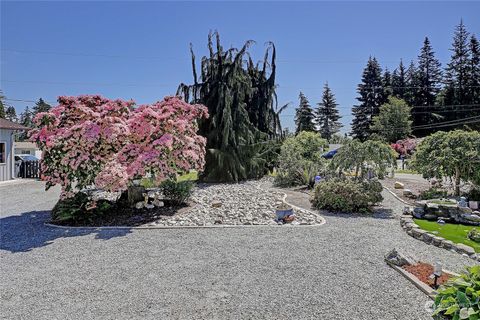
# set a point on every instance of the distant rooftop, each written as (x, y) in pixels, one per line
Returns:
(5, 124)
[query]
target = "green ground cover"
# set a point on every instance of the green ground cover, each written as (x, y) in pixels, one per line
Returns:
(454, 232)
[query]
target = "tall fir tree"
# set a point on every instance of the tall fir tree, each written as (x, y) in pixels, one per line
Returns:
(304, 116)
(429, 78)
(40, 106)
(327, 116)
(11, 114)
(474, 71)
(412, 84)
(399, 81)
(456, 75)
(371, 97)
(387, 85)
(26, 119)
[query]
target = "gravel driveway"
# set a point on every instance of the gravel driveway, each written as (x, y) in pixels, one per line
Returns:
(334, 271)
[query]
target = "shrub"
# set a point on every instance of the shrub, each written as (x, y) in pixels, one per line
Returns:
(474, 235)
(459, 298)
(80, 209)
(432, 193)
(473, 194)
(301, 160)
(347, 195)
(177, 192)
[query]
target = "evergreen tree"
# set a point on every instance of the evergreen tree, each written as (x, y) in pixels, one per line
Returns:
(371, 97)
(40, 106)
(474, 71)
(412, 84)
(327, 114)
(11, 114)
(244, 126)
(304, 117)
(26, 119)
(399, 81)
(2, 105)
(387, 85)
(429, 77)
(456, 77)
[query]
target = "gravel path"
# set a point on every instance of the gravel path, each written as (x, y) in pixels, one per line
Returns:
(334, 271)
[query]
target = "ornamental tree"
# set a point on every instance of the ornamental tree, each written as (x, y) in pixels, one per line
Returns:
(454, 155)
(93, 141)
(360, 157)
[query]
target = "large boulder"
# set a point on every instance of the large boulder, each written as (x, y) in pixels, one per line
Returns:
(463, 248)
(396, 258)
(399, 185)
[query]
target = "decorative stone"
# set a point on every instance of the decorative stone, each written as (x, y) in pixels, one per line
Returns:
(430, 216)
(427, 237)
(437, 241)
(396, 258)
(158, 203)
(408, 193)
(473, 205)
(418, 233)
(399, 185)
(463, 248)
(149, 206)
(471, 217)
(139, 205)
(418, 212)
(216, 204)
(447, 244)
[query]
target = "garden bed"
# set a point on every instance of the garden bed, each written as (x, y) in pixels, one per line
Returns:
(423, 272)
(247, 203)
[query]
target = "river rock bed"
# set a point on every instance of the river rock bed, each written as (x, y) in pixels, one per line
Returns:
(246, 203)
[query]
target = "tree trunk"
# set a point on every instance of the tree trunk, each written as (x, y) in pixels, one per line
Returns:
(457, 182)
(135, 194)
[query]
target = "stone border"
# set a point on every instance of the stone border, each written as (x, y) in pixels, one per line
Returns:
(150, 226)
(413, 230)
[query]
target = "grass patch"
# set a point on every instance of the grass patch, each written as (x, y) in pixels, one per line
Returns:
(405, 171)
(150, 183)
(454, 232)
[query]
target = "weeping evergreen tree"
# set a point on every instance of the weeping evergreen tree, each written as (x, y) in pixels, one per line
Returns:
(243, 129)
(304, 116)
(327, 116)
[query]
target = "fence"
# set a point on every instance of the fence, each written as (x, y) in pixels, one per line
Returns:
(29, 169)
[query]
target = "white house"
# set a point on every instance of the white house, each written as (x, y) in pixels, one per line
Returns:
(26, 147)
(7, 132)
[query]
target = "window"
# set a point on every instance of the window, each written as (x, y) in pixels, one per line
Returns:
(25, 151)
(3, 155)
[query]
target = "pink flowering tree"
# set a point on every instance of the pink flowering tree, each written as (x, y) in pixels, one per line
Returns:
(93, 141)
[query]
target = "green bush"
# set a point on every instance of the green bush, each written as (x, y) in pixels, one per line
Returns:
(473, 194)
(177, 192)
(474, 235)
(432, 193)
(301, 160)
(347, 195)
(459, 298)
(79, 209)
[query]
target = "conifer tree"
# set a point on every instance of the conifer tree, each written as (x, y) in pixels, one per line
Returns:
(412, 84)
(474, 71)
(40, 106)
(371, 97)
(2, 105)
(304, 117)
(327, 117)
(456, 77)
(11, 114)
(399, 81)
(429, 77)
(387, 85)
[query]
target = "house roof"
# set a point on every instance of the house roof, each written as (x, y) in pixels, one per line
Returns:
(24, 145)
(5, 124)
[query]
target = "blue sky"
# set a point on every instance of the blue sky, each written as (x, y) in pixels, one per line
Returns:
(140, 50)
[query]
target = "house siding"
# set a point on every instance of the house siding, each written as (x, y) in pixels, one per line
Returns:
(6, 168)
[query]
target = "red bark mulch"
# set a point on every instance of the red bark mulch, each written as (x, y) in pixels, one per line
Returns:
(423, 271)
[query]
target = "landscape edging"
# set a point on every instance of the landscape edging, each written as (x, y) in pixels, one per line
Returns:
(413, 230)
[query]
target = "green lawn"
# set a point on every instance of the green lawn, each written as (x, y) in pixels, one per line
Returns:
(454, 232)
(149, 183)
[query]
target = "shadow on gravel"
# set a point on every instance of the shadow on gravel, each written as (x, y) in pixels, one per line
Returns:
(22, 233)
(380, 213)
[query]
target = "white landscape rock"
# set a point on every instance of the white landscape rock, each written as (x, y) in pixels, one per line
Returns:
(246, 203)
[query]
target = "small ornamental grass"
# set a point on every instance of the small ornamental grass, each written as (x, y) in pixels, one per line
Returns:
(459, 298)
(347, 195)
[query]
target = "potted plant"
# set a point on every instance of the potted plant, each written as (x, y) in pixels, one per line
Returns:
(283, 211)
